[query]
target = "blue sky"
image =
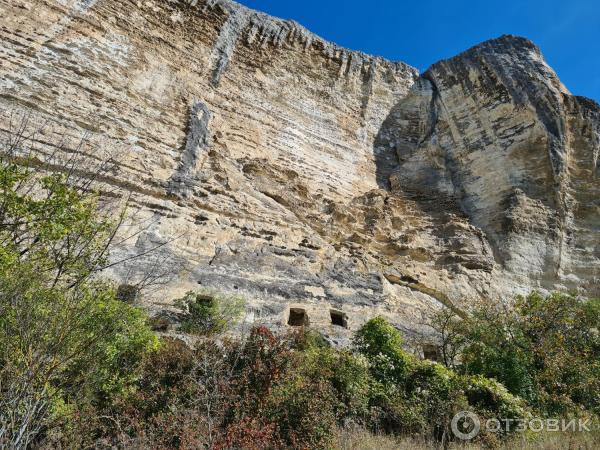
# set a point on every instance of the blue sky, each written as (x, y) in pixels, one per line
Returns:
(423, 32)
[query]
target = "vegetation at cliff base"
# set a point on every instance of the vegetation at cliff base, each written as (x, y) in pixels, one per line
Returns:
(66, 342)
(544, 349)
(209, 312)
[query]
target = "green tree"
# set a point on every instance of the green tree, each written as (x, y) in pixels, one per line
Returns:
(497, 347)
(545, 349)
(413, 396)
(65, 341)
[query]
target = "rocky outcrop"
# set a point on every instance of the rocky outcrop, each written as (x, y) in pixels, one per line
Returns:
(268, 162)
(495, 132)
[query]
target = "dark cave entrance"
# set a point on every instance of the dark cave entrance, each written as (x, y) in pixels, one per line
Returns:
(431, 352)
(338, 318)
(298, 317)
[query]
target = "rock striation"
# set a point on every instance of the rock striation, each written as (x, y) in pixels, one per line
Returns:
(268, 162)
(495, 132)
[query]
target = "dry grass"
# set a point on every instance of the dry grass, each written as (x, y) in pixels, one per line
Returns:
(554, 441)
(363, 440)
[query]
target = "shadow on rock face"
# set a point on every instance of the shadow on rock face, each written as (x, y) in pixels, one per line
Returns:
(408, 124)
(413, 165)
(384, 149)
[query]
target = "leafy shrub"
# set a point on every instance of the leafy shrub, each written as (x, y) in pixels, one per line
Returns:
(381, 344)
(257, 367)
(304, 409)
(209, 312)
(497, 348)
(291, 391)
(438, 393)
(413, 396)
(491, 399)
(545, 350)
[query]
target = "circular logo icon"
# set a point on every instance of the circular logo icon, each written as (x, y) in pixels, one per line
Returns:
(465, 425)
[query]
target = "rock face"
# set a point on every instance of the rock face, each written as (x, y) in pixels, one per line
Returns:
(268, 162)
(495, 132)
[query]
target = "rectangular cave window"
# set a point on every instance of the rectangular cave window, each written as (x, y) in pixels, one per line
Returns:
(431, 352)
(338, 318)
(127, 293)
(298, 317)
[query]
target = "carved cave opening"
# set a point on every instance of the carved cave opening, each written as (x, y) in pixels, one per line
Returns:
(298, 317)
(127, 293)
(431, 352)
(338, 318)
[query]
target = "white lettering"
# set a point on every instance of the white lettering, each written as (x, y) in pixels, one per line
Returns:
(583, 425)
(536, 429)
(568, 425)
(493, 425)
(552, 425)
(507, 423)
(521, 426)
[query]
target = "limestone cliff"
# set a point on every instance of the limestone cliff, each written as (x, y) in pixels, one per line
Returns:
(272, 163)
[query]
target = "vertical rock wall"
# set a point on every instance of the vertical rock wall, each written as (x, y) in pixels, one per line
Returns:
(268, 162)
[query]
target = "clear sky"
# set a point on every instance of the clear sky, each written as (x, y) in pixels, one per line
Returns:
(423, 32)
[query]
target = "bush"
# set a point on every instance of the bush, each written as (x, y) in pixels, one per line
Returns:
(497, 348)
(413, 396)
(303, 407)
(381, 344)
(290, 391)
(346, 373)
(438, 393)
(491, 399)
(546, 350)
(257, 366)
(209, 312)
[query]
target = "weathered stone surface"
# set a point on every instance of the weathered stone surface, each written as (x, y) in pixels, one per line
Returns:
(495, 133)
(271, 163)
